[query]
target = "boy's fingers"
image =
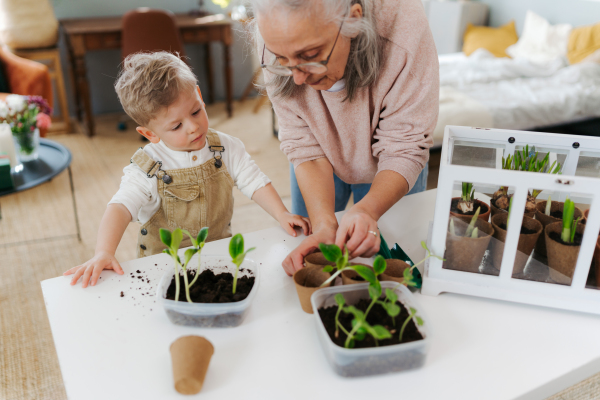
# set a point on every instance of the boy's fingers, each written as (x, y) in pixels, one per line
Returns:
(71, 271)
(309, 226)
(289, 228)
(78, 273)
(117, 267)
(96, 274)
(86, 277)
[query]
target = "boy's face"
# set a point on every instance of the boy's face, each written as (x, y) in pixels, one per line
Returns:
(182, 126)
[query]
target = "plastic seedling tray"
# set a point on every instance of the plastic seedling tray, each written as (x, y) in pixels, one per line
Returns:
(209, 315)
(375, 360)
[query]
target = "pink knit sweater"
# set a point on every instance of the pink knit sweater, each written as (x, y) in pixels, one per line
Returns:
(388, 125)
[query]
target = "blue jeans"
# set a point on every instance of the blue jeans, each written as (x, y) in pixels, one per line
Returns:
(343, 191)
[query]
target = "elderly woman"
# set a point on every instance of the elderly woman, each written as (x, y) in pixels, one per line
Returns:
(354, 84)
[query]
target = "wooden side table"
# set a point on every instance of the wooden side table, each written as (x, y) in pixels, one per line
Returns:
(89, 34)
(52, 57)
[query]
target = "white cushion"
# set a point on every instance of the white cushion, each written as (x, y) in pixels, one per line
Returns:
(541, 42)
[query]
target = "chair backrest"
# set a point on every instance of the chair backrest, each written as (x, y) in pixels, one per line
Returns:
(146, 29)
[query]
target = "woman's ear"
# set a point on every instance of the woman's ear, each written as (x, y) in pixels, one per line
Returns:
(148, 134)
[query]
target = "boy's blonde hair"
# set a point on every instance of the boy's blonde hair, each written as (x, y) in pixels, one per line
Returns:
(151, 81)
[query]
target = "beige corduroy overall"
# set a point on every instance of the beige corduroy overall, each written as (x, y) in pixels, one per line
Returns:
(191, 198)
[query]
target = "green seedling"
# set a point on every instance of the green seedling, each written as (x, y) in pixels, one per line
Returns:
(548, 206)
(411, 314)
(569, 224)
(360, 327)
(467, 199)
(198, 243)
(172, 241)
(341, 301)
(527, 160)
(509, 211)
(471, 231)
(236, 250)
(333, 253)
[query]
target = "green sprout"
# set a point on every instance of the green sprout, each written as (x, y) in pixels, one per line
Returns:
(172, 241)
(569, 224)
(527, 160)
(509, 211)
(236, 250)
(467, 199)
(198, 243)
(360, 326)
(471, 231)
(548, 206)
(411, 314)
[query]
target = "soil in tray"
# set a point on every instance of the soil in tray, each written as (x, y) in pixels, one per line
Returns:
(211, 288)
(576, 241)
(377, 316)
(524, 231)
(454, 208)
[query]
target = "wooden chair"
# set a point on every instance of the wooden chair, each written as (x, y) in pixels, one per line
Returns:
(51, 58)
(146, 29)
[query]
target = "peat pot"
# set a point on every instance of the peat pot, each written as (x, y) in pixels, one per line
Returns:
(466, 253)
(484, 214)
(540, 215)
(562, 258)
(526, 241)
(308, 280)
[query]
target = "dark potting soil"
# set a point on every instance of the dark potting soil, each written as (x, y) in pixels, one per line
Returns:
(454, 208)
(556, 214)
(358, 278)
(576, 241)
(524, 231)
(377, 316)
(211, 288)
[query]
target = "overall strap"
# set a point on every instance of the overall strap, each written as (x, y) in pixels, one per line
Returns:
(146, 163)
(214, 145)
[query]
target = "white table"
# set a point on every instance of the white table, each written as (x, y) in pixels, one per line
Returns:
(113, 347)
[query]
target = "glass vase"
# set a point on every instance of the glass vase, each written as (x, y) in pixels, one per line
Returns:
(27, 145)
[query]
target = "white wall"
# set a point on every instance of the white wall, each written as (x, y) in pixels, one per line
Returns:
(103, 65)
(574, 12)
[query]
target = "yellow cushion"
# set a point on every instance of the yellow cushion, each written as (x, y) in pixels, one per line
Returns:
(495, 40)
(583, 42)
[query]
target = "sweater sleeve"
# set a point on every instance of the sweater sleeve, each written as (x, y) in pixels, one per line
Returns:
(246, 175)
(409, 113)
(297, 141)
(137, 191)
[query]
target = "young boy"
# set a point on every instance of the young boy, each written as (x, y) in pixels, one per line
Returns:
(184, 177)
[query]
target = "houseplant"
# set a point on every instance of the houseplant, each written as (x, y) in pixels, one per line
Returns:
(466, 244)
(464, 207)
(364, 331)
(563, 242)
(548, 212)
(214, 296)
(530, 231)
(524, 160)
(26, 115)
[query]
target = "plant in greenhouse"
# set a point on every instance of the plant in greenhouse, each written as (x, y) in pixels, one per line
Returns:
(471, 231)
(569, 227)
(467, 198)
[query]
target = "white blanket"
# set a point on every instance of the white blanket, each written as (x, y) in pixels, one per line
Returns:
(516, 93)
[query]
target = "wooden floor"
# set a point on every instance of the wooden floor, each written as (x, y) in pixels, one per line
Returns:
(44, 216)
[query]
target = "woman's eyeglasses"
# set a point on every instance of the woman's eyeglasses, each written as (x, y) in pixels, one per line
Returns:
(318, 67)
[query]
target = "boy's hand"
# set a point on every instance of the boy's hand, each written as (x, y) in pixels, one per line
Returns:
(93, 267)
(289, 221)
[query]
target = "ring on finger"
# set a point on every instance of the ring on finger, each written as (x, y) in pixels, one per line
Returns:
(374, 233)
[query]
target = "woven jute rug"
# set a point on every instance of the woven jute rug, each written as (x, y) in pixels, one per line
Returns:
(29, 366)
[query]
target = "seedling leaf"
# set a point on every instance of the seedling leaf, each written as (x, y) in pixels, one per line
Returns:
(375, 291)
(379, 265)
(176, 238)
(165, 236)
(202, 235)
(339, 299)
(331, 252)
(189, 253)
(366, 273)
(236, 246)
(327, 268)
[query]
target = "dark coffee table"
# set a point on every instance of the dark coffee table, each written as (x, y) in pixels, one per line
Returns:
(53, 159)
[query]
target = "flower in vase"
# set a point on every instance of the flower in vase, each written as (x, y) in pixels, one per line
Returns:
(43, 121)
(16, 103)
(3, 110)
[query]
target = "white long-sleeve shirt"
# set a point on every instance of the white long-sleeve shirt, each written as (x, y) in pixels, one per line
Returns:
(139, 194)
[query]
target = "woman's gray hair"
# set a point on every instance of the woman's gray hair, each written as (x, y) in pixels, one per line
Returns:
(364, 60)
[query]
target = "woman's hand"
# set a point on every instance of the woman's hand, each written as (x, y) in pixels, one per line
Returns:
(295, 260)
(92, 269)
(358, 231)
